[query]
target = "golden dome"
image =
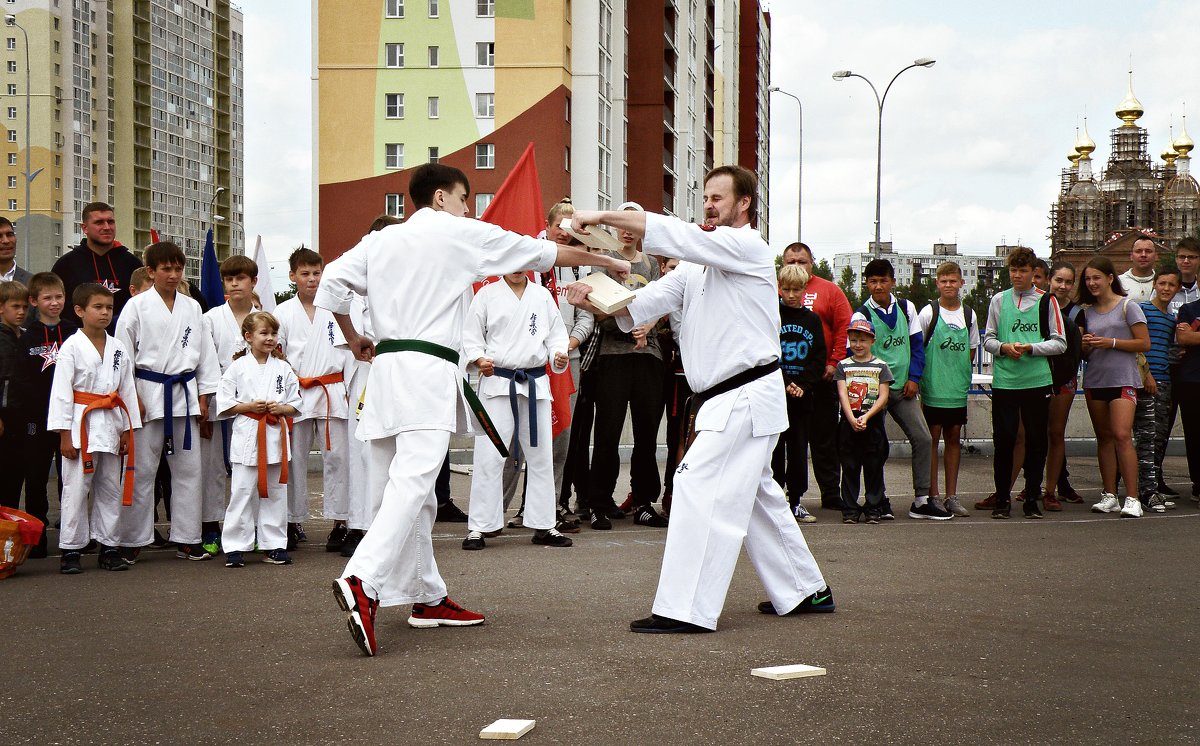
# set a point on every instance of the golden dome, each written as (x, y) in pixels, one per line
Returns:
(1130, 109)
(1183, 144)
(1074, 158)
(1169, 155)
(1084, 145)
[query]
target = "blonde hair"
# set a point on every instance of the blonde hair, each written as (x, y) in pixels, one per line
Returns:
(948, 268)
(793, 276)
(561, 209)
(251, 323)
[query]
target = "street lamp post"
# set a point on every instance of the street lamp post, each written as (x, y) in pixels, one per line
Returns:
(11, 20)
(799, 156)
(879, 101)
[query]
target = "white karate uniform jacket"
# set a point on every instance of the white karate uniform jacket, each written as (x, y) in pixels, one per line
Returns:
(315, 348)
(245, 381)
(80, 368)
(516, 333)
(420, 276)
(170, 342)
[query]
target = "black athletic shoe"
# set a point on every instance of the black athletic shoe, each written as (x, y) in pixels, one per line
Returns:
(293, 536)
(130, 554)
(850, 518)
(234, 559)
(600, 522)
(550, 537)
(1166, 491)
(111, 559)
(70, 563)
(646, 516)
(450, 513)
(336, 537)
(300, 535)
(820, 602)
(350, 543)
(929, 510)
(614, 513)
(1031, 510)
(474, 541)
(661, 625)
(277, 557)
(192, 552)
(1002, 513)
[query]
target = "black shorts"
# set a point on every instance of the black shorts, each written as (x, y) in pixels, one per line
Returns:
(944, 416)
(1111, 393)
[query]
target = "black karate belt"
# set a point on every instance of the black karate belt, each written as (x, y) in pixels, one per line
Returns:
(523, 376)
(169, 382)
(737, 380)
(450, 356)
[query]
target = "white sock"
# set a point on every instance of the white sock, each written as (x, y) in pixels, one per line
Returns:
(920, 500)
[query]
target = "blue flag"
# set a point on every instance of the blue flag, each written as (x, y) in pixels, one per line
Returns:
(211, 285)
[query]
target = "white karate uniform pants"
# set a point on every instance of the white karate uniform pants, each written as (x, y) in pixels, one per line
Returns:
(333, 466)
(247, 511)
(486, 511)
(137, 521)
(395, 559)
(212, 455)
(78, 524)
(362, 503)
(724, 494)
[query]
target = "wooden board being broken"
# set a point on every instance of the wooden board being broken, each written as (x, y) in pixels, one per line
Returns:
(507, 730)
(595, 237)
(608, 295)
(796, 671)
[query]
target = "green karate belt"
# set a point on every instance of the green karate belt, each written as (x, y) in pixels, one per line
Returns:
(450, 356)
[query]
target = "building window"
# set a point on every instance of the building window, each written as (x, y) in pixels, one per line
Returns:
(433, 56)
(433, 155)
(394, 205)
(12, 182)
(485, 8)
(485, 155)
(568, 109)
(12, 66)
(394, 155)
(12, 42)
(394, 9)
(395, 55)
(394, 105)
(12, 135)
(433, 107)
(12, 159)
(12, 204)
(485, 54)
(482, 200)
(485, 105)
(12, 89)
(12, 112)
(567, 158)
(433, 8)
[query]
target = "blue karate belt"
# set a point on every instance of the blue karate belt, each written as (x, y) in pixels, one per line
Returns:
(529, 377)
(169, 383)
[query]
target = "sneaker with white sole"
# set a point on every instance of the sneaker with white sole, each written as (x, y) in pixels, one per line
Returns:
(956, 507)
(444, 613)
(1157, 503)
(929, 510)
(1108, 504)
(474, 541)
(550, 537)
(802, 515)
(360, 610)
(1132, 509)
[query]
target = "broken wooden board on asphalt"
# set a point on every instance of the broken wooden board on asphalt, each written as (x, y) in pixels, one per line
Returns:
(796, 671)
(506, 729)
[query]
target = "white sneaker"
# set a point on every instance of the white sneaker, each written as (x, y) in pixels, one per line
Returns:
(803, 516)
(1132, 509)
(1108, 503)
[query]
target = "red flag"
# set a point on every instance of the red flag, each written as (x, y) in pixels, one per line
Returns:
(153, 236)
(517, 207)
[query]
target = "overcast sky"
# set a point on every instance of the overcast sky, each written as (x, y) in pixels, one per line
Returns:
(972, 147)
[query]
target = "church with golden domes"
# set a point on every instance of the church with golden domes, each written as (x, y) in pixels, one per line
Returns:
(1105, 212)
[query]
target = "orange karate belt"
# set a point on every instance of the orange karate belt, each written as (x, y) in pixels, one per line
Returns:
(324, 382)
(265, 420)
(93, 402)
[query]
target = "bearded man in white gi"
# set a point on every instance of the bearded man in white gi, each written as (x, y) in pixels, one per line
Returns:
(418, 279)
(723, 492)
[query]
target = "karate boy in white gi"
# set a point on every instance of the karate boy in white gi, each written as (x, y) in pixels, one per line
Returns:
(223, 324)
(513, 329)
(93, 406)
(176, 369)
(260, 393)
(313, 344)
(724, 492)
(417, 276)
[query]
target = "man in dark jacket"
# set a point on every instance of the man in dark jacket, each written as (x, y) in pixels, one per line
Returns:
(98, 258)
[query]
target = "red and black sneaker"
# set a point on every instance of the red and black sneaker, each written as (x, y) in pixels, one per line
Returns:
(360, 610)
(445, 613)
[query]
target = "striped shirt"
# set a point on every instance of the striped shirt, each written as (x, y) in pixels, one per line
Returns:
(1162, 336)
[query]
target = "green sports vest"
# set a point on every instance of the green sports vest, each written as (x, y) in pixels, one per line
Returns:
(1025, 327)
(892, 345)
(947, 375)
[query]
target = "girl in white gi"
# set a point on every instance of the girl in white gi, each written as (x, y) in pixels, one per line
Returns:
(93, 406)
(315, 348)
(260, 393)
(513, 329)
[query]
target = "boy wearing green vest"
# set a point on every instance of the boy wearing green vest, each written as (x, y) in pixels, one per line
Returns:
(1024, 329)
(900, 343)
(950, 338)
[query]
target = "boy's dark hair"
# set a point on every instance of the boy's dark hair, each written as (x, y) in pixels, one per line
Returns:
(5, 221)
(44, 281)
(1042, 265)
(163, 253)
(239, 264)
(91, 207)
(84, 292)
(1022, 257)
(304, 257)
(383, 221)
(13, 290)
(879, 268)
(745, 184)
(430, 177)
(1190, 243)
(1169, 270)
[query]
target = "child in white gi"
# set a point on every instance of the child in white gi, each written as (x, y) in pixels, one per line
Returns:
(239, 275)
(259, 392)
(176, 370)
(315, 346)
(93, 406)
(513, 329)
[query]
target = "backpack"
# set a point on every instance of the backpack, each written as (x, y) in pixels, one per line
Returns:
(937, 311)
(1065, 365)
